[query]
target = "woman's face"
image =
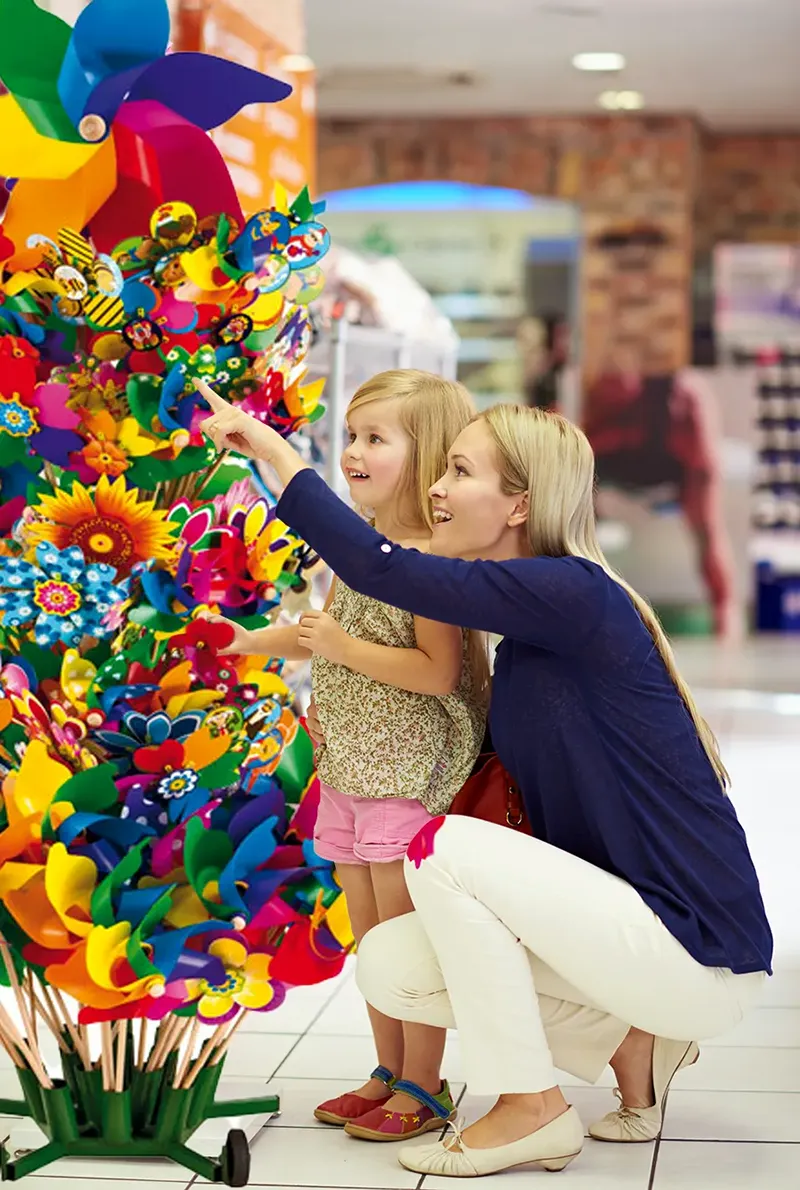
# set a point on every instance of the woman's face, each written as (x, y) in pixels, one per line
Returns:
(472, 516)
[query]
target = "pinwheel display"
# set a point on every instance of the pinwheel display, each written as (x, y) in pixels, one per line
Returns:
(158, 880)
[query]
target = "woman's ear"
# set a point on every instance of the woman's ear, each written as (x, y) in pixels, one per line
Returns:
(519, 513)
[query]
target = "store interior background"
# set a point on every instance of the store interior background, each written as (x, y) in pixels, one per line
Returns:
(492, 173)
(476, 185)
(728, 175)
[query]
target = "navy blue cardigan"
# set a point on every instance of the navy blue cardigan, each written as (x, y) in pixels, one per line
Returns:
(584, 716)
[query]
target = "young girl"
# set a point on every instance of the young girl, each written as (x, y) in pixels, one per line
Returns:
(402, 704)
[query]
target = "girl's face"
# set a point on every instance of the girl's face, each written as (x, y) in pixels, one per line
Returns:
(375, 456)
(472, 517)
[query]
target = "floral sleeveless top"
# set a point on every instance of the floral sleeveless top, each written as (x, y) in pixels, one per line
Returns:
(384, 742)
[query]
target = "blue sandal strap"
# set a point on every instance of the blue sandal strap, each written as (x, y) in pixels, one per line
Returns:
(384, 1075)
(423, 1097)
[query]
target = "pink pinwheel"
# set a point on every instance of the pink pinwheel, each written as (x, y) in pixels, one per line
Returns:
(57, 437)
(33, 417)
(261, 403)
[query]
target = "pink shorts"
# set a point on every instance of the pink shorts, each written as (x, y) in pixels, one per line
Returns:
(361, 830)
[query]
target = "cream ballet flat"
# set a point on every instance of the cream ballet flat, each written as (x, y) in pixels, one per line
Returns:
(637, 1125)
(551, 1148)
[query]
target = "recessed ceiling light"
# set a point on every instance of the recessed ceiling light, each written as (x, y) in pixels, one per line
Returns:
(621, 101)
(577, 11)
(296, 63)
(600, 62)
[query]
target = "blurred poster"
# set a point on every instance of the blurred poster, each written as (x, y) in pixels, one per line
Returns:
(757, 295)
(265, 143)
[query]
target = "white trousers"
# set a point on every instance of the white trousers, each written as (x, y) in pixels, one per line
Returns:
(539, 959)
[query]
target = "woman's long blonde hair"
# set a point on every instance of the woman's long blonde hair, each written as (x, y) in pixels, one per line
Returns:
(548, 457)
(432, 412)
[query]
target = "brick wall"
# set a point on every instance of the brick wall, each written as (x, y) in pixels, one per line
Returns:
(749, 190)
(633, 178)
(656, 179)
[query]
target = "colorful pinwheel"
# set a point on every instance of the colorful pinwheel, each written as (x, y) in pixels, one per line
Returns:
(158, 800)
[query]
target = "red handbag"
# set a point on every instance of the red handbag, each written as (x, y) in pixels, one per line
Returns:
(491, 794)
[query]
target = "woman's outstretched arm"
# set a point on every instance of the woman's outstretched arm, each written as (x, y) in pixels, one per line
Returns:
(553, 603)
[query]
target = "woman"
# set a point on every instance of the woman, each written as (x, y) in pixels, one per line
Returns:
(632, 923)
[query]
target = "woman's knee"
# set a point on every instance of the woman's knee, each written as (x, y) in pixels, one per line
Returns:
(381, 962)
(398, 973)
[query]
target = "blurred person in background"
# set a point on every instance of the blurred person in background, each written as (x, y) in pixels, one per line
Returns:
(653, 427)
(655, 436)
(544, 347)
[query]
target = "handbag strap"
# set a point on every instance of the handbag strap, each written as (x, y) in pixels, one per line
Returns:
(515, 814)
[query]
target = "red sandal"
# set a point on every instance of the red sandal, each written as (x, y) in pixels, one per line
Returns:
(348, 1107)
(433, 1113)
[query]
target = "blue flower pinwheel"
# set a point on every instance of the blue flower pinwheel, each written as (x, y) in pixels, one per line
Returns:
(139, 731)
(59, 599)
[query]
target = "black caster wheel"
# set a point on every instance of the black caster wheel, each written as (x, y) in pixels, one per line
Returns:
(236, 1159)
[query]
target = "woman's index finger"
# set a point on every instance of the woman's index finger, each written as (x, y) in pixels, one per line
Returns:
(217, 403)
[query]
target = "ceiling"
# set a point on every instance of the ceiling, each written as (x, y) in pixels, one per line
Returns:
(733, 63)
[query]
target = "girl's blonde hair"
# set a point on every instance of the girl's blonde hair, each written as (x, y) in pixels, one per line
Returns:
(432, 412)
(547, 457)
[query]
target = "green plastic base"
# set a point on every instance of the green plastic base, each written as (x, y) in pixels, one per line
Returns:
(151, 1118)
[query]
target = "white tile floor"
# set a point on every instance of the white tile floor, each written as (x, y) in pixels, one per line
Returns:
(733, 1121)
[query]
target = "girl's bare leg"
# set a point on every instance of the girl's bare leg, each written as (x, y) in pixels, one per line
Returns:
(424, 1044)
(356, 882)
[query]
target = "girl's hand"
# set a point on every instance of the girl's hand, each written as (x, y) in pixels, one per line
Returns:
(242, 642)
(230, 428)
(320, 633)
(313, 725)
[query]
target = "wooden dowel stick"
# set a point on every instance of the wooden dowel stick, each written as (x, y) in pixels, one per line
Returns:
(30, 1057)
(162, 1042)
(10, 1048)
(172, 1040)
(11, 971)
(52, 1024)
(85, 1039)
(143, 1028)
(107, 1060)
(183, 1065)
(32, 1008)
(50, 1003)
(81, 1046)
(122, 1045)
(216, 1039)
(212, 474)
(202, 1059)
(215, 1061)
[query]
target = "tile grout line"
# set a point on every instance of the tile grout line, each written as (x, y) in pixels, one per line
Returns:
(303, 1035)
(367, 1036)
(694, 1140)
(316, 1078)
(654, 1163)
(668, 1140)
